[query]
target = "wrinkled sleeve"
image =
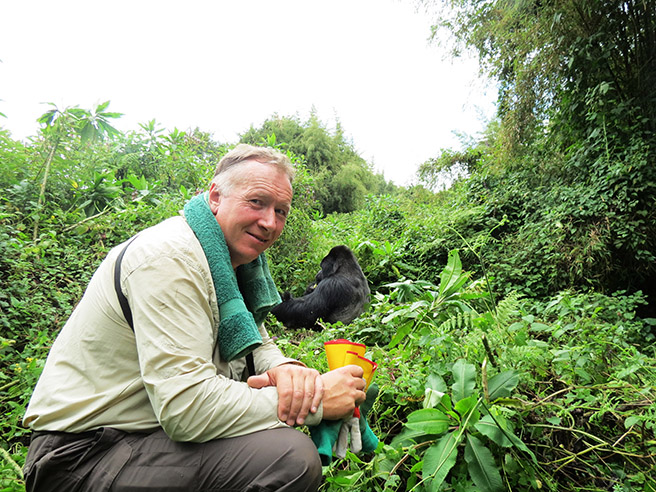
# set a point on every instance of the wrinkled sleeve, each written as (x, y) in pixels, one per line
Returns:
(173, 326)
(268, 355)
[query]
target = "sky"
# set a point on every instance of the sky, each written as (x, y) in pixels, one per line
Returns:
(226, 65)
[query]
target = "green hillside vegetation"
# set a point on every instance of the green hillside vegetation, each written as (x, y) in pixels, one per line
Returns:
(513, 311)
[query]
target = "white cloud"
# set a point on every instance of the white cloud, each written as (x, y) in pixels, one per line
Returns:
(224, 65)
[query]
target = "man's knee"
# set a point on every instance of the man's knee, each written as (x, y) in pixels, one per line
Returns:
(278, 459)
(302, 465)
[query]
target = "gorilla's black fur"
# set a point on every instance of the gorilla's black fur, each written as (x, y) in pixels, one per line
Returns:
(339, 293)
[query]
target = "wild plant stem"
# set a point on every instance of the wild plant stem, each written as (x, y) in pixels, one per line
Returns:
(12, 463)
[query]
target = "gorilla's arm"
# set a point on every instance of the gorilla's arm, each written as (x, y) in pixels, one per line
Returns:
(303, 312)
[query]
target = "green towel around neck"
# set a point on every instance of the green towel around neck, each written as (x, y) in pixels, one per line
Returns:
(244, 298)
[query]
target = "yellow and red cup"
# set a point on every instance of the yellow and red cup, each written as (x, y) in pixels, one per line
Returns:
(336, 351)
(342, 352)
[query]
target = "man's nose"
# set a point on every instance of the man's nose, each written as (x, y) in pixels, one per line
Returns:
(268, 218)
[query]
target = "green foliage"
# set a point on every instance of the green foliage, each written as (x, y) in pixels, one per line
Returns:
(176, 159)
(506, 428)
(441, 172)
(11, 473)
(12, 155)
(463, 423)
(570, 161)
(570, 228)
(549, 56)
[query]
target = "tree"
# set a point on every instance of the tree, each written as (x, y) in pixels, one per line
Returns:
(442, 171)
(61, 124)
(558, 62)
(572, 167)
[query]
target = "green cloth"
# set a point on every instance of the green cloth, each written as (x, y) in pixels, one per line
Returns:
(244, 297)
(324, 436)
(369, 439)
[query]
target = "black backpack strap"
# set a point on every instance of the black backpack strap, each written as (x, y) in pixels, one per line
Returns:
(123, 301)
(250, 364)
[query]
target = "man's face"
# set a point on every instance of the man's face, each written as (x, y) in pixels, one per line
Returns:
(253, 215)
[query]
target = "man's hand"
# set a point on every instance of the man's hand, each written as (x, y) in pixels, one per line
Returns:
(300, 390)
(343, 391)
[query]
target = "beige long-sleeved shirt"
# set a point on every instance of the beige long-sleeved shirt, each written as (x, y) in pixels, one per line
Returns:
(168, 372)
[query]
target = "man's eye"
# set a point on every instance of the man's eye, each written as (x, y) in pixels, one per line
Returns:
(282, 212)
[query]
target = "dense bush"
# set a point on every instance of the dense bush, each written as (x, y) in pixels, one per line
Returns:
(569, 162)
(547, 395)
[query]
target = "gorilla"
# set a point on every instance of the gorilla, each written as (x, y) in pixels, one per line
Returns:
(339, 293)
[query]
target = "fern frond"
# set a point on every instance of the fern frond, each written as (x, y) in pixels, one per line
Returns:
(534, 357)
(460, 321)
(507, 309)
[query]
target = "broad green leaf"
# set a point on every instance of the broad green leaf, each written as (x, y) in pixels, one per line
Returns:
(451, 272)
(388, 458)
(434, 391)
(447, 407)
(466, 404)
(102, 107)
(87, 132)
(354, 458)
(456, 285)
(489, 428)
(347, 480)
(467, 410)
(430, 427)
(436, 382)
(428, 421)
(540, 327)
(464, 375)
(401, 333)
(395, 314)
(482, 467)
(424, 414)
(408, 437)
(502, 384)
(106, 128)
(440, 458)
(519, 444)
(474, 295)
(77, 113)
(418, 305)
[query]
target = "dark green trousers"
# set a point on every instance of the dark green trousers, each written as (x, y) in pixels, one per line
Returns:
(111, 460)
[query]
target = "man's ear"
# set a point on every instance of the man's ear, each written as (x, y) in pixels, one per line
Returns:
(214, 198)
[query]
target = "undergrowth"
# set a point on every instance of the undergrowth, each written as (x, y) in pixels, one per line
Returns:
(520, 395)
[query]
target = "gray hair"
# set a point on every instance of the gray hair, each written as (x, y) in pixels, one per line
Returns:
(227, 171)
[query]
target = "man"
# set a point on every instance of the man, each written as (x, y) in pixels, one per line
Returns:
(147, 392)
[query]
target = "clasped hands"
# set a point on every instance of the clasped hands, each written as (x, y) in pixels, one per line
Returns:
(301, 390)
